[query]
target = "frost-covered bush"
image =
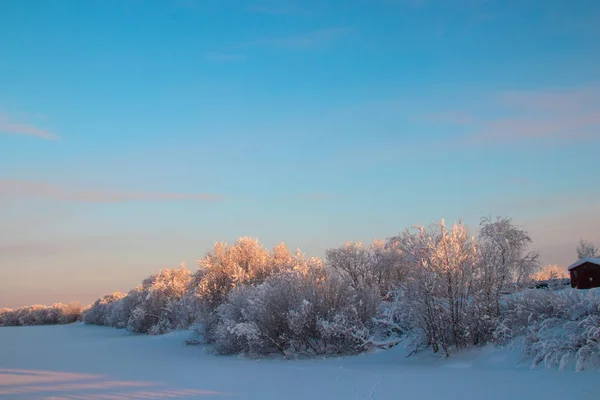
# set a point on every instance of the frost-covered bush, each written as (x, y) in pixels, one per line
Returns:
(159, 294)
(437, 296)
(100, 311)
(454, 283)
(4, 315)
(41, 315)
(119, 311)
(151, 308)
(225, 267)
(395, 319)
(69, 313)
(185, 312)
(301, 311)
(379, 265)
(175, 299)
(557, 326)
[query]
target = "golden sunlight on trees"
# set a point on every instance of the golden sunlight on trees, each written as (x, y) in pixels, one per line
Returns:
(550, 272)
(41, 315)
(437, 286)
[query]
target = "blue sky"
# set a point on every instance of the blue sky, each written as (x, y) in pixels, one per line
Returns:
(133, 134)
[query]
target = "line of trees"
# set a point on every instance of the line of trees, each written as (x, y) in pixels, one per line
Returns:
(438, 281)
(41, 315)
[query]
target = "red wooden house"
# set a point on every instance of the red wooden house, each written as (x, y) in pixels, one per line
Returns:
(585, 273)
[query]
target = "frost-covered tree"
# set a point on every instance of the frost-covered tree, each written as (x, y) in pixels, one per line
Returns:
(387, 269)
(225, 267)
(185, 312)
(351, 262)
(301, 310)
(8, 317)
(99, 312)
(159, 293)
(119, 311)
(437, 296)
(219, 274)
(454, 286)
(378, 265)
(152, 307)
(586, 249)
(68, 313)
(281, 258)
(506, 262)
(4, 312)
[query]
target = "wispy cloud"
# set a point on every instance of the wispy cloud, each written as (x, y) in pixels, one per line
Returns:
(306, 40)
(574, 127)
(9, 126)
(40, 190)
(225, 57)
(528, 115)
(567, 100)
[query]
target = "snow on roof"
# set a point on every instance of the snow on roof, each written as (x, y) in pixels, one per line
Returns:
(583, 261)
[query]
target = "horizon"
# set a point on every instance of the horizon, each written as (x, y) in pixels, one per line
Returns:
(134, 134)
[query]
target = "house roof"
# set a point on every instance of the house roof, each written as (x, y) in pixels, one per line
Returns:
(583, 261)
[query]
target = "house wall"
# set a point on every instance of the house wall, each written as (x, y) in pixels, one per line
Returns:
(585, 276)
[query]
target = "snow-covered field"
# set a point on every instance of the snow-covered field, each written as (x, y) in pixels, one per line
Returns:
(88, 362)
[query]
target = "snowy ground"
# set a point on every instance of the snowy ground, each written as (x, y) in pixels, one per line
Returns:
(91, 363)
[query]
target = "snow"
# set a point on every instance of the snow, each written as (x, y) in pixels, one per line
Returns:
(583, 261)
(79, 361)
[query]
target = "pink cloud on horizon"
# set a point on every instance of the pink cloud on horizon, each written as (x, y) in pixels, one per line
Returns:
(7, 125)
(572, 114)
(558, 100)
(576, 127)
(18, 188)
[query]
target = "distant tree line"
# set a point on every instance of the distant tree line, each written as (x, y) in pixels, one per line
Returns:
(41, 315)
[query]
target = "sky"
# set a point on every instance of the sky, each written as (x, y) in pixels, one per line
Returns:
(135, 133)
